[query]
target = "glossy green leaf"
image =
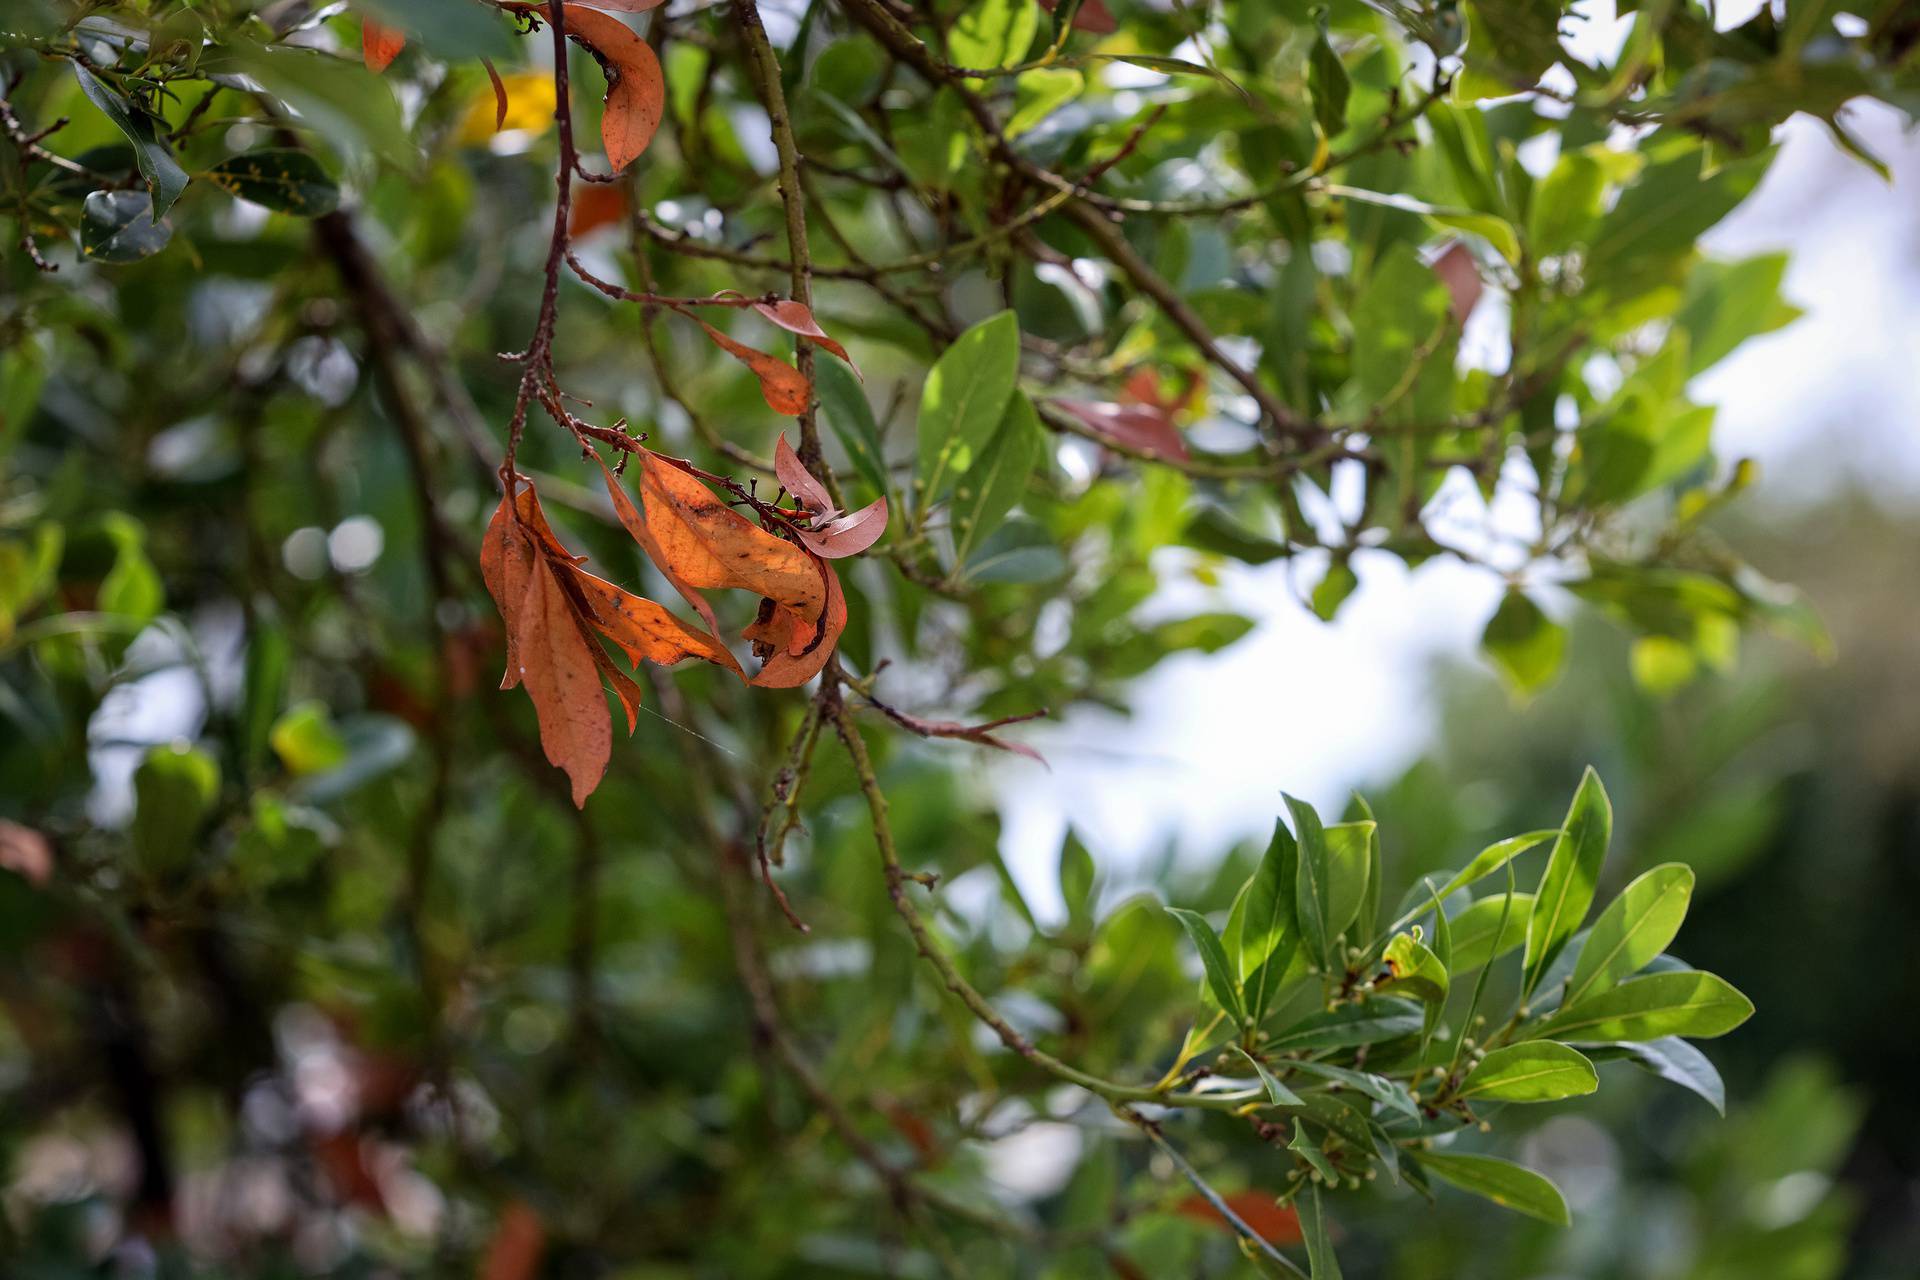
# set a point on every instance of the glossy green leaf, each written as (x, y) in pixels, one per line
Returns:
(1269, 936)
(1213, 958)
(1277, 1093)
(1573, 869)
(1313, 883)
(1508, 1185)
(1484, 864)
(1379, 1088)
(1310, 1151)
(1674, 1060)
(1535, 1071)
(118, 226)
(1349, 872)
(1381, 1018)
(964, 402)
(164, 177)
(1680, 1003)
(1635, 927)
(280, 178)
(1321, 1262)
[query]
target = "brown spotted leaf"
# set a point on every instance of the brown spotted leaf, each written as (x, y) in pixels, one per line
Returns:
(701, 541)
(801, 647)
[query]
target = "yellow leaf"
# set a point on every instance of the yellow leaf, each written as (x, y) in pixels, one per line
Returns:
(529, 107)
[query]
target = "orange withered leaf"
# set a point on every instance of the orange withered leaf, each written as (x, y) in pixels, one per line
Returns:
(644, 630)
(785, 387)
(500, 103)
(1272, 1222)
(380, 44)
(800, 646)
(596, 205)
(562, 676)
(701, 541)
(636, 89)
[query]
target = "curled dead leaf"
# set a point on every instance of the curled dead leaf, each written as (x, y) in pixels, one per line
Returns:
(798, 481)
(636, 88)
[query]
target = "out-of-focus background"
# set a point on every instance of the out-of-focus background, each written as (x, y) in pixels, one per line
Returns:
(1791, 783)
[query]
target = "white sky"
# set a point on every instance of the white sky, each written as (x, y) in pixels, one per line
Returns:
(1314, 708)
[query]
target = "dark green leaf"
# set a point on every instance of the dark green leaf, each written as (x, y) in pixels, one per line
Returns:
(1327, 81)
(1313, 883)
(118, 226)
(1313, 1233)
(164, 176)
(280, 178)
(1382, 1018)
(1524, 643)
(965, 401)
(1213, 957)
(994, 483)
(1673, 1059)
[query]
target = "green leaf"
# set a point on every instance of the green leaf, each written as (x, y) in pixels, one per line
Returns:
(1277, 1093)
(174, 788)
(1416, 970)
(451, 28)
(306, 741)
(1682, 1003)
(993, 33)
(1214, 958)
(1321, 1262)
(1730, 302)
(1313, 883)
(1524, 643)
(1673, 1059)
(1076, 879)
(1333, 590)
(1635, 927)
(349, 105)
(1507, 1184)
(1474, 943)
(1573, 869)
(1349, 872)
(1484, 864)
(164, 176)
(1039, 93)
(281, 178)
(1537, 1071)
(1328, 83)
(132, 588)
(1381, 1018)
(844, 404)
(989, 488)
(964, 401)
(1171, 67)
(1311, 1152)
(1659, 217)
(118, 226)
(1269, 937)
(1379, 1088)
(1567, 201)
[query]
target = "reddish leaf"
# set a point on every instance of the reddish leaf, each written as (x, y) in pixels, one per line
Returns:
(636, 89)
(380, 44)
(25, 852)
(799, 482)
(796, 318)
(1461, 274)
(519, 1240)
(785, 387)
(499, 95)
(849, 535)
(1272, 1222)
(1147, 428)
(507, 560)
(807, 644)
(596, 205)
(1093, 15)
(982, 734)
(619, 6)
